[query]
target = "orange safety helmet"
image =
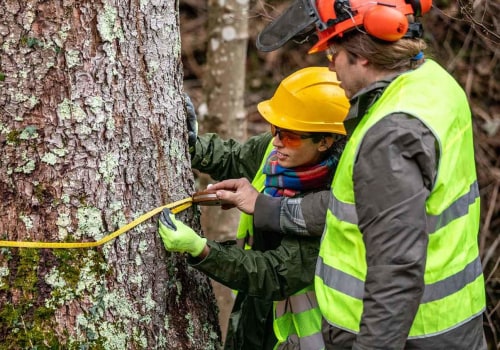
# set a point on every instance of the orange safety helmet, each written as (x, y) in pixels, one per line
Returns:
(309, 100)
(384, 19)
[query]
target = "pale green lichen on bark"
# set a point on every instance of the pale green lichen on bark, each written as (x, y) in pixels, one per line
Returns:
(110, 125)
(190, 328)
(89, 223)
(77, 275)
(4, 272)
(95, 103)
(161, 340)
(152, 69)
(28, 166)
(28, 222)
(112, 335)
(118, 218)
(148, 302)
(65, 198)
(143, 5)
(4, 129)
(29, 133)
(83, 130)
(67, 110)
(49, 158)
(72, 58)
(64, 110)
(60, 152)
(61, 292)
(61, 36)
(92, 328)
(20, 97)
(107, 24)
(144, 227)
(107, 168)
(63, 222)
(143, 247)
(135, 279)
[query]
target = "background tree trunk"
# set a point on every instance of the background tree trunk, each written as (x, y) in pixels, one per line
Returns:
(92, 135)
(223, 112)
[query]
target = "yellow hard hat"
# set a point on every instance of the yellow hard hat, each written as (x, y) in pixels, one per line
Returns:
(309, 100)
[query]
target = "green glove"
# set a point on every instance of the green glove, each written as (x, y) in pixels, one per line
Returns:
(178, 237)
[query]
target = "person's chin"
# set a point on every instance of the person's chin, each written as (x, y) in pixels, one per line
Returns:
(285, 163)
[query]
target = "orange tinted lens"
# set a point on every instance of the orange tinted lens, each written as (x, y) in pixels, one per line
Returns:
(290, 139)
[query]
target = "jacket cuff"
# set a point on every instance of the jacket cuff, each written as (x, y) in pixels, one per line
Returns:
(211, 258)
(266, 216)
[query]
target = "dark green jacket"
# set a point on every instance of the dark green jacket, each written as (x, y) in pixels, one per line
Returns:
(273, 270)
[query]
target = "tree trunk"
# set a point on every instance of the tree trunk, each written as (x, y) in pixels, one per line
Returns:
(224, 113)
(92, 136)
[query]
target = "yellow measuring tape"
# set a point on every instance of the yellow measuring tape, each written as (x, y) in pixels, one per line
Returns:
(175, 207)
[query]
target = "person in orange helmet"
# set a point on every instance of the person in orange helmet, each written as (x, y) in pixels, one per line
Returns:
(399, 264)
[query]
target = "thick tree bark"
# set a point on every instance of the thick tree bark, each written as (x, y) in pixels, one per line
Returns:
(92, 136)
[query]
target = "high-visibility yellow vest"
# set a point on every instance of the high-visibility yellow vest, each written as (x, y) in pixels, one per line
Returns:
(297, 319)
(454, 285)
(244, 235)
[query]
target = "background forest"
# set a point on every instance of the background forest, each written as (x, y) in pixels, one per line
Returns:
(464, 36)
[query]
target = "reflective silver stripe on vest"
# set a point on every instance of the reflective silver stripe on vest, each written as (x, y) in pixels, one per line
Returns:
(457, 209)
(297, 303)
(339, 280)
(354, 287)
(313, 342)
(454, 283)
(460, 207)
(343, 211)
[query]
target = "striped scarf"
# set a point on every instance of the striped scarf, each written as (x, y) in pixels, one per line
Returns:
(288, 182)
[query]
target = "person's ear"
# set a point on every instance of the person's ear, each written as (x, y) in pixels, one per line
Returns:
(325, 143)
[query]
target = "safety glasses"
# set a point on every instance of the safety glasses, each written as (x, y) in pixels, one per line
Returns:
(289, 138)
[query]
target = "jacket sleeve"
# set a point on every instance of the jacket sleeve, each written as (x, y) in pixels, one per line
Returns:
(228, 159)
(393, 175)
(302, 216)
(273, 274)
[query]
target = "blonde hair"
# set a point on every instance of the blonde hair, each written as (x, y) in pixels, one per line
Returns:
(395, 56)
(398, 56)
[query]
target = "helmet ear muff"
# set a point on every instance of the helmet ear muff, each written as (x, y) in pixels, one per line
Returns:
(385, 23)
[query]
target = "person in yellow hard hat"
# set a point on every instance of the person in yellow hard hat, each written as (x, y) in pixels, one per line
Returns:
(298, 156)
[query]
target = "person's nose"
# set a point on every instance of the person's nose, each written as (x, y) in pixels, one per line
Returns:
(277, 141)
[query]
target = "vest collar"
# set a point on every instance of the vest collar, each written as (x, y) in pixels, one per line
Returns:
(364, 99)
